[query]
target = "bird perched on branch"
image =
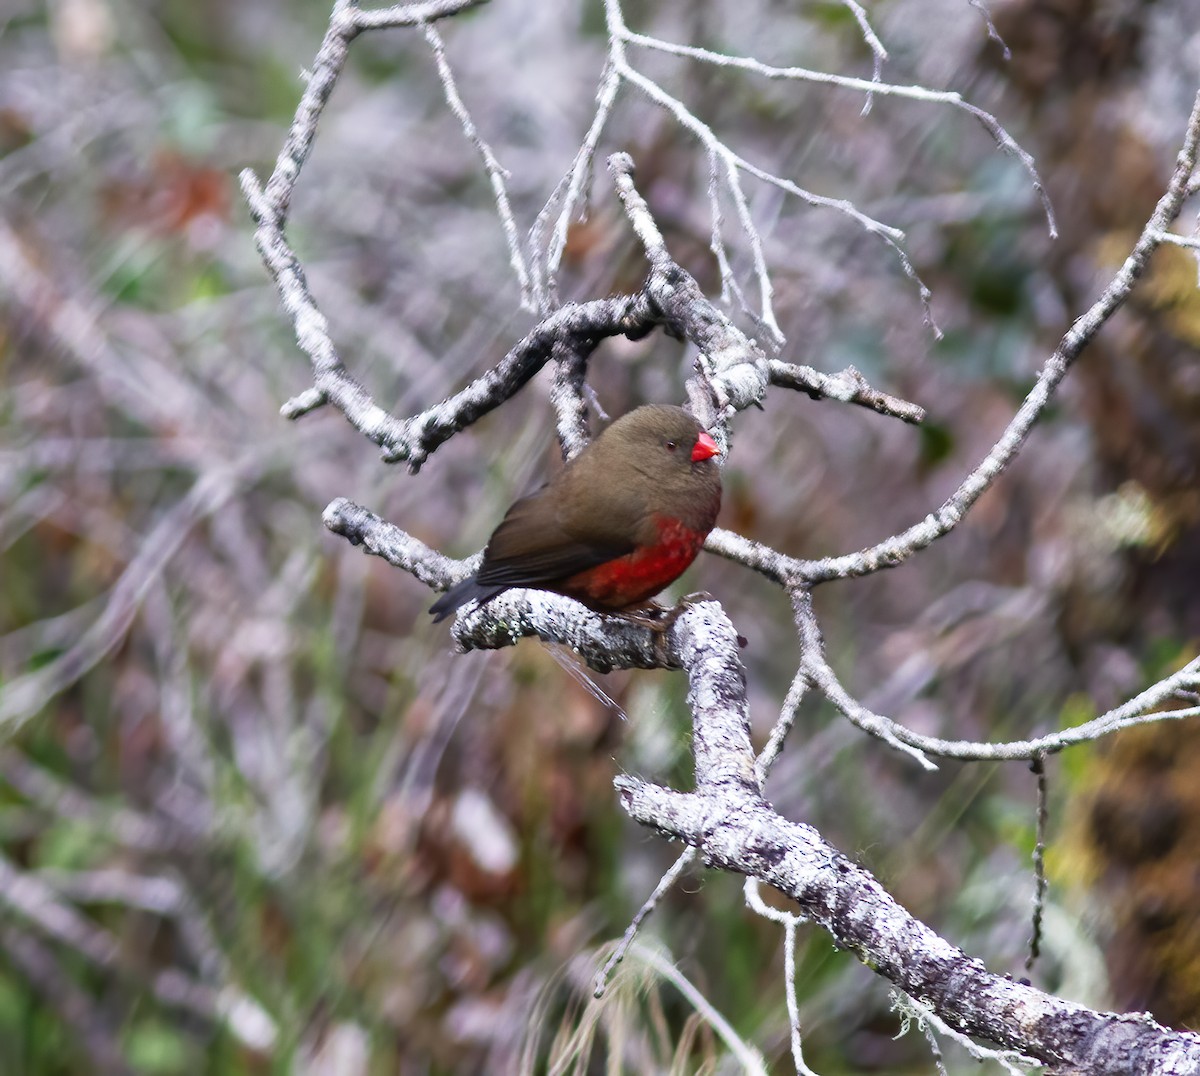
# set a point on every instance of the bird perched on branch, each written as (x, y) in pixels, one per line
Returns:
(616, 525)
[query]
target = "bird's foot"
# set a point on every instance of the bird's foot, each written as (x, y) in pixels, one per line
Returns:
(659, 619)
(682, 606)
(651, 615)
(687, 602)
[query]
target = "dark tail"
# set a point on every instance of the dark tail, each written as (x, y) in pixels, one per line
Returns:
(458, 595)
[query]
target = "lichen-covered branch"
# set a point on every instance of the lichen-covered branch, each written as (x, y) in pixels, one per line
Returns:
(578, 327)
(849, 386)
(382, 539)
(736, 830)
(568, 395)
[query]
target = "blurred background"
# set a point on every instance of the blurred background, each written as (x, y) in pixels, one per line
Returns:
(255, 814)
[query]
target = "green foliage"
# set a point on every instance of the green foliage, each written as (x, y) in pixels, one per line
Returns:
(937, 443)
(159, 1049)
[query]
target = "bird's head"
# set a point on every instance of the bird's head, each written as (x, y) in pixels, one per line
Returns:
(663, 440)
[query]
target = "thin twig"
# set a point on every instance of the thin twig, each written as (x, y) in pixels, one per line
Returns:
(917, 93)
(411, 14)
(878, 52)
(992, 32)
(496, 173)
(787, 717)
(1137, 711)
(1038, 766)
(576, 180)
(568, 395)
(789, 923)
(898, 548)
(665, 883)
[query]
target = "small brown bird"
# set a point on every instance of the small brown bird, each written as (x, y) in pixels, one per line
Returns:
(616, 525)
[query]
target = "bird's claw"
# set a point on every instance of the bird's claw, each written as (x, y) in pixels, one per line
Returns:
(660, 620)
(651, 615)
(688, 601)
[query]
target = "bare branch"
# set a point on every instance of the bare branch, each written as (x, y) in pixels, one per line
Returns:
(789, 922)
(576, 180)
(411, 14)
(733, 371)
(567, 395)
(686, 857)
(776, 566)
(415, 438)
(731, 164)
(640, 217)
(332, 383)
(849, 386)
(495, 172)
(1038, 765)
(899, 548)
(992, 32)
(817, 670)
(791, 706)
(916, 93)
(577, 325)
(381, 539)
(878, 52)
(1137, 711)
(346, 22)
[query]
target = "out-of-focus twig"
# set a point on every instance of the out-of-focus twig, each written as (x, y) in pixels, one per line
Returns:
(24, 696)
(41, 967)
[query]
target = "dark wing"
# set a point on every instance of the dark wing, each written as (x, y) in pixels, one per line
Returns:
(532, 546)
(459, 594)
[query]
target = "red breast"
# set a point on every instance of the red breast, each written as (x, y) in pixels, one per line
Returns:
(638, 576)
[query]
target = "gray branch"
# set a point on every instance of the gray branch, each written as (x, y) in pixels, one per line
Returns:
(849, 386)
(732, 370)
(897, 549)
(1140, 710)
(568, 397)
(736, 830)
(576, 328)
(382, 539)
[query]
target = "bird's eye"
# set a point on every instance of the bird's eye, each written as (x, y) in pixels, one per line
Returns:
(671, 446)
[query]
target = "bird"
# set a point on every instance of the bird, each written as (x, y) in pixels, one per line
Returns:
(622, 520)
